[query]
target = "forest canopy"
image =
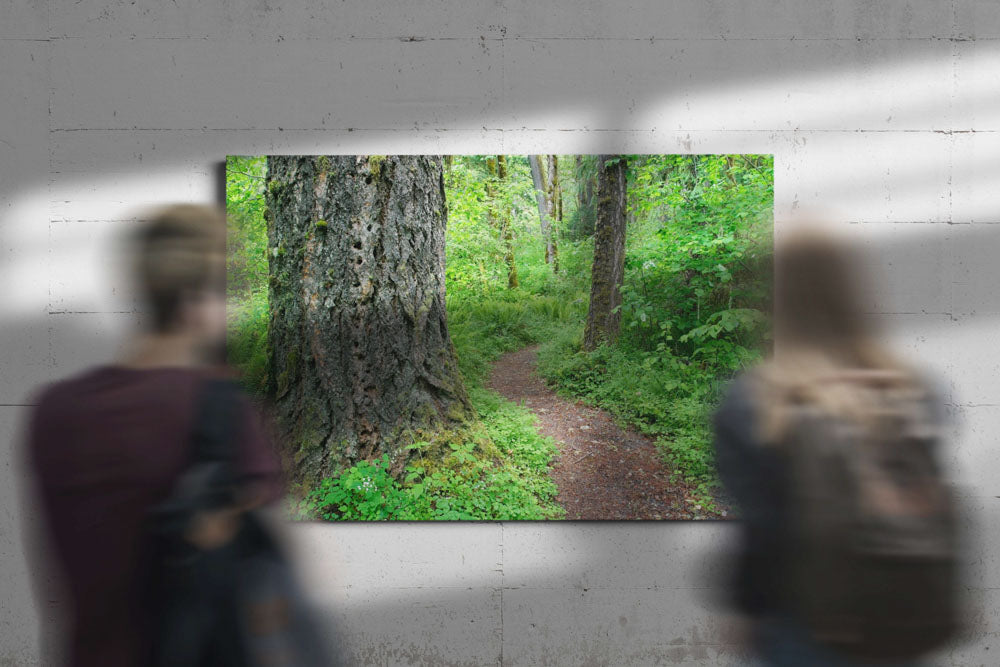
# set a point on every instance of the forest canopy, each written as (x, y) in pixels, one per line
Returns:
(641, 279)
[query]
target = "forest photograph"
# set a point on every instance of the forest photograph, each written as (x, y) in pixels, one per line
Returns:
(497, 337)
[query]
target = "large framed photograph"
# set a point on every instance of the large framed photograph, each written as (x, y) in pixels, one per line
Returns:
(497, 337)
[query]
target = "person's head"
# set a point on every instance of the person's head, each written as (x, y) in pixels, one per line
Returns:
(821, 333)
(180, 268)
(817, 300)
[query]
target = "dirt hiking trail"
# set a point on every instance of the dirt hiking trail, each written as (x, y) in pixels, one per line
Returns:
(603, 471)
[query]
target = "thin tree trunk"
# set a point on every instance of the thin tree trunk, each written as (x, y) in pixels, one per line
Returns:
(585, 197)
(577, 170)
(555, 209)
(560, 207)
(506, 229)
(541, 197)
(360, 357)
(603, 316)
(491, 193)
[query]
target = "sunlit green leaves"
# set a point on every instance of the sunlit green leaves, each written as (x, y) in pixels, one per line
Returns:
(474, 245)
(246, 263)
(698, 236)
(700, 226)
(466, 486)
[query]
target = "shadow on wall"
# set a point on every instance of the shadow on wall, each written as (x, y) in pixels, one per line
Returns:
(611, 588)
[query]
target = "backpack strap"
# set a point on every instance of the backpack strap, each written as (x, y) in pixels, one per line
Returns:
(213, 436)
(215, 420)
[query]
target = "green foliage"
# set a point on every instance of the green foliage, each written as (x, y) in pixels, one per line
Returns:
(475, 251)
(246, 256)
(698, 239)
(582, 214)
(696, 257)
(469, 483)
(662, 395)
(247, 270)
(692, 303)
(464, 485)
(483, 329)
(246, 341)
(365, 492)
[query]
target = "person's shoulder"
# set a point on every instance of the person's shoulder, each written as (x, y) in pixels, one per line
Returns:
(55, 394)
(933, 395)
(738, 405)
(932, 386)
(56, 408)
(739, 392)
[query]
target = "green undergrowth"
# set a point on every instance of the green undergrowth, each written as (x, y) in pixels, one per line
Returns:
(499, 468)
(657, 393)
(246, 341)
(482, 330)
(693, 298)
(505, 480)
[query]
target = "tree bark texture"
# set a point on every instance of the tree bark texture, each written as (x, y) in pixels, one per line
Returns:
(506, 229)
(603, 316)
(360, 357)
(555, 209)
(585, 197)
(542, 198)
(493, 206)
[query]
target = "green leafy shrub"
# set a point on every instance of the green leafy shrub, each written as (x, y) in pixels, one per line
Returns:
(464, 485)
(246, 341)
(697, 243)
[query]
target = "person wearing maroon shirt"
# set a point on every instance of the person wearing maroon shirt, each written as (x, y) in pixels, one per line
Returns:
(108, 445)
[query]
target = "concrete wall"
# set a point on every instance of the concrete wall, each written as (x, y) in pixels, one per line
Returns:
(887, 111)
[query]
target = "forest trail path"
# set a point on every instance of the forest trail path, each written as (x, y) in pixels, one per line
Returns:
(603, 471)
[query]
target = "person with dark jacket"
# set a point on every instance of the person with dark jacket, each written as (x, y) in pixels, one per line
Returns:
(108, 445)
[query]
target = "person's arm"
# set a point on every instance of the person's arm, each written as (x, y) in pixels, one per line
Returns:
(259, 468)
(259, 481)
(752, 476)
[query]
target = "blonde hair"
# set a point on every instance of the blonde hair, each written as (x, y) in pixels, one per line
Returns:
(180, 251)
(827, 354)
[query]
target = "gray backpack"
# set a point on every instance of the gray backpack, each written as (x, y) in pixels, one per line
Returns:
(872, 561)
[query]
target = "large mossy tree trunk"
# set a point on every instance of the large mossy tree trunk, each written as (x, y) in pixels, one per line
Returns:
(361, 362)
(608, 270)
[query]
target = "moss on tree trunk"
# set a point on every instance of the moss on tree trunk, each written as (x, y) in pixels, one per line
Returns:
(603, 316)
(360, 357)
(542, 198)
(506, 229)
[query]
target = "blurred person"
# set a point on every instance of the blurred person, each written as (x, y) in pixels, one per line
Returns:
(847, 553)
(120, 456)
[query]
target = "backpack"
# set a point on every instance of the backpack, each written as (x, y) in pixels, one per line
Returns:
(237, 605)
(872, 558)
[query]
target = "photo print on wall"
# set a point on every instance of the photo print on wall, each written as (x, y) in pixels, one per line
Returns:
(497, 337)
